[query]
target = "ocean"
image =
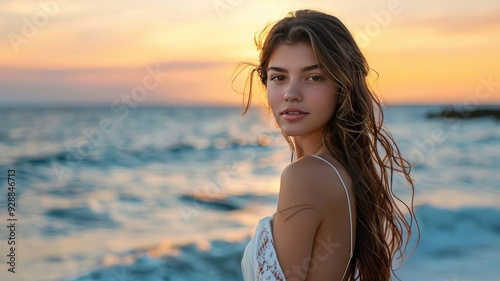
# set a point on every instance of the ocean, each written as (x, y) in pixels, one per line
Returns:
(174, 193)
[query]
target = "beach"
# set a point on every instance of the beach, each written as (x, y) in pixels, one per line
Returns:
(174, 193)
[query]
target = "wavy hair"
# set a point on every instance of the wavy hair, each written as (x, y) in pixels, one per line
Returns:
(355, 135)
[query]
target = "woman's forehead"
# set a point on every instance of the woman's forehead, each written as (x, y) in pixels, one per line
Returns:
(292, 57)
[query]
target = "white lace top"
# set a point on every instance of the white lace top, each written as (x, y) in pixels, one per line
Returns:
(260, 261)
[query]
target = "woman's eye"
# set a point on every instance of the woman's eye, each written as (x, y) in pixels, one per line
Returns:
(277, 78)
(315, 78)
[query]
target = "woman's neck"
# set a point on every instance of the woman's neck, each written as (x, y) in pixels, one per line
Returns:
(305, 147)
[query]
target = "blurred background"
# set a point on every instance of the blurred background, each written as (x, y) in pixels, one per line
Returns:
(133, 162)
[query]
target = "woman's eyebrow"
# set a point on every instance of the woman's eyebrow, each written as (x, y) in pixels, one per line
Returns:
(304, 69)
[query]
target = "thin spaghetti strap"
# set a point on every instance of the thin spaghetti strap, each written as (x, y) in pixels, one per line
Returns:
(349, 206)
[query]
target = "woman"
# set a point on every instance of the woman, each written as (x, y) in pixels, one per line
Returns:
(336, 218)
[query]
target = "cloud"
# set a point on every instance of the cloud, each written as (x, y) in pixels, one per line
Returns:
(457, 23)
(182, 82)
(95, 49)
(164, 66)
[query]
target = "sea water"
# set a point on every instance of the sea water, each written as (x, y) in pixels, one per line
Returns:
(175, 193)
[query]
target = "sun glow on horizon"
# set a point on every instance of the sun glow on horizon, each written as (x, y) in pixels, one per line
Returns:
(425, 52)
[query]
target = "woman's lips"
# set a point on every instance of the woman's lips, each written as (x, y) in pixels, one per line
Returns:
(293, 116)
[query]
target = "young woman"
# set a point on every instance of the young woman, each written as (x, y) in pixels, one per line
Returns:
(337, 217)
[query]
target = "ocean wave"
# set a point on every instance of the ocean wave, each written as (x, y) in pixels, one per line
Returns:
(211, 202)
(131, 156)
(76, 218)
(454, 232)
(221, 261)
(446, 235)
(488, 138)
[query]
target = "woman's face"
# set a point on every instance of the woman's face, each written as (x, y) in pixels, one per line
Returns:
(301, 99)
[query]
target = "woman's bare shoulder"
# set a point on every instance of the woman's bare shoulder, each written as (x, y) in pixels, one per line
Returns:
(311, 181)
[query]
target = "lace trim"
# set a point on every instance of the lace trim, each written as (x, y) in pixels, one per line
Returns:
(266, 264)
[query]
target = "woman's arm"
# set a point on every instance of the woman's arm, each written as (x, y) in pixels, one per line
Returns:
(308, 193)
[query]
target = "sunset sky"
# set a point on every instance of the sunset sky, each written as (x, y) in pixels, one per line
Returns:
(184, 52)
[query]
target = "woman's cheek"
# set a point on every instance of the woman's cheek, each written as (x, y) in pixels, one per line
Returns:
(273, 97)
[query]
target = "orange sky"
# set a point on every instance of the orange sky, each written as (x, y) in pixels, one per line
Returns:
(95, 52)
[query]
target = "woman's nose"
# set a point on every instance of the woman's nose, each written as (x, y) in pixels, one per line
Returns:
(292, 93)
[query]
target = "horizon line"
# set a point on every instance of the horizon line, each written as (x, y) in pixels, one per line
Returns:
(102, 105)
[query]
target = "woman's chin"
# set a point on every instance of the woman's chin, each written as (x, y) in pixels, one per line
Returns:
(292, 133)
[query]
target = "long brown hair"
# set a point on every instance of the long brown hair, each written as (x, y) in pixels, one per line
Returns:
(355, 135)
